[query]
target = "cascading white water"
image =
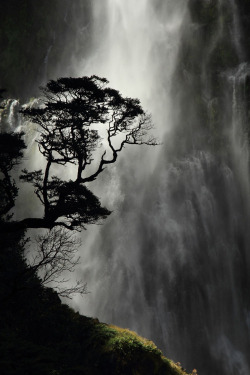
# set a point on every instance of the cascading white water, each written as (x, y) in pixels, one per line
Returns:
(171, 262)
(135, 47)
(10, 117)
(239, 137)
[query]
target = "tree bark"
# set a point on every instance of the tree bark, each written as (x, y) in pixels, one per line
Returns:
(14, 226)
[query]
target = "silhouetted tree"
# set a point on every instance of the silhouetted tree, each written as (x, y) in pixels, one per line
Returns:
(83, 123)
(55, 251)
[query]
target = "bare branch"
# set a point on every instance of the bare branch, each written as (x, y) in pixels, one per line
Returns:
(55, 256)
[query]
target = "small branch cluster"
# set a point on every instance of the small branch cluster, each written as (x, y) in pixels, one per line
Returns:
(56, 256)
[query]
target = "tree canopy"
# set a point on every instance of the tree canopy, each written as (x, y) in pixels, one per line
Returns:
(83, 125)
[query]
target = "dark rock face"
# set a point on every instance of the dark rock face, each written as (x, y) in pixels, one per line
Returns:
(37, 39)
(244, 11)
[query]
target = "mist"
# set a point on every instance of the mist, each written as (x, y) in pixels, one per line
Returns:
(172, 260)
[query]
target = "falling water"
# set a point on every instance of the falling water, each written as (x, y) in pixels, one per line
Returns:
(136, 49)
(172, 261)
(11, 119)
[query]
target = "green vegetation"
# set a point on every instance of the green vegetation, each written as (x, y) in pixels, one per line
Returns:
(40, 335)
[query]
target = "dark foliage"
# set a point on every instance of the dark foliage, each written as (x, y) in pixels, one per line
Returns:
(39, 335)
(11, 153)
(83, 123)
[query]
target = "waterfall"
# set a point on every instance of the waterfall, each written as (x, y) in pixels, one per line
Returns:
(172, 261)
(10, 117)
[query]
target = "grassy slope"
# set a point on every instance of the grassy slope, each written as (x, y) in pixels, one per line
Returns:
(59, 341)
(41, 336)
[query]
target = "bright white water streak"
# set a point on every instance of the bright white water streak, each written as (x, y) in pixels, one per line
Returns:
(135, 46)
